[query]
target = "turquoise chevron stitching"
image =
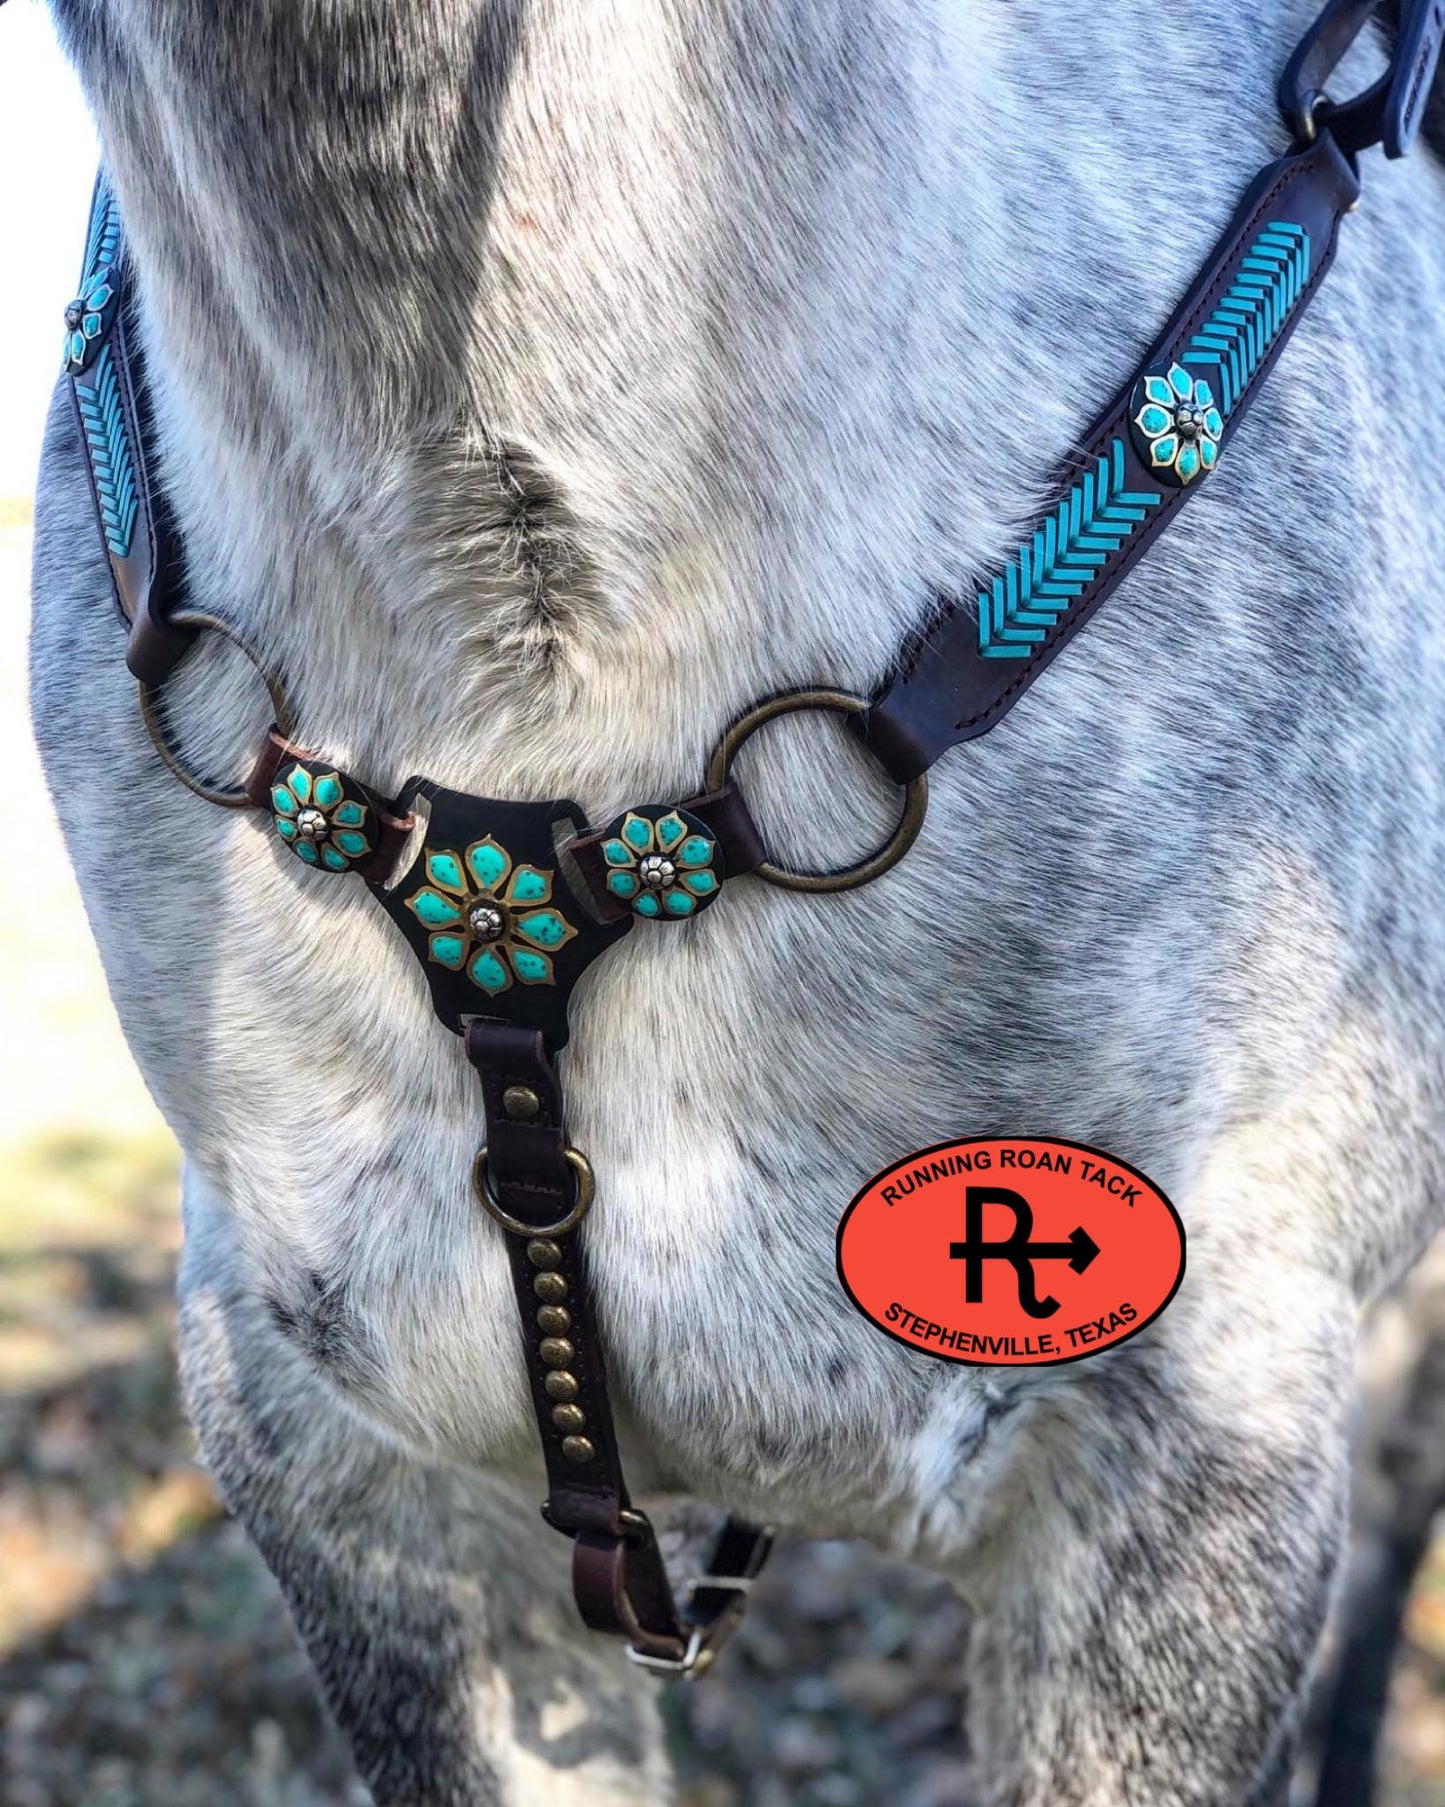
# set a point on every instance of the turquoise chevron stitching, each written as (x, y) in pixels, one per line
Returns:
(1238, 334)
(103, 239)
(1061, 560)
(103, 419)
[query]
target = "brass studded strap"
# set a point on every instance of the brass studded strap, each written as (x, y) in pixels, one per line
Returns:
(539, 1189)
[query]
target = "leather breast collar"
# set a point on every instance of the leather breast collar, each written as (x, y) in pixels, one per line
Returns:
(506, 904)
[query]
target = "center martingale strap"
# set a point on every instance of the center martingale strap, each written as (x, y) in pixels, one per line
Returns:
(1150, 449)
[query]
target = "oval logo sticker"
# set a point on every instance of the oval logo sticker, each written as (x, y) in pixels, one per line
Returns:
(1014, 1250)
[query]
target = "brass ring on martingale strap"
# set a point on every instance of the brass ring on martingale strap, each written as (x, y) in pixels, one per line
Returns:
(847, 878)
(227, 796)
(581, 1204)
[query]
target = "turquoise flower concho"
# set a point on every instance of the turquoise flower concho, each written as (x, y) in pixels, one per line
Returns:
(1176, 425)
(662, 862)
(322, 816)
(488, 916)
(88, 318)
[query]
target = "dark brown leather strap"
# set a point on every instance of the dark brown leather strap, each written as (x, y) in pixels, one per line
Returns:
(725, 814)
(970, 665)
(528, 1179)
(1392, 110)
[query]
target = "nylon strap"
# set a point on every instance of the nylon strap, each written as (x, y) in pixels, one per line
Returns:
(1391, 111)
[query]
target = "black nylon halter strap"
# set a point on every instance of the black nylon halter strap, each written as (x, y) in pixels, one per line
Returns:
(959, 676)
(1392, 110)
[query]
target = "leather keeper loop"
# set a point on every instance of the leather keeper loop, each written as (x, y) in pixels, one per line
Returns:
(269, 761)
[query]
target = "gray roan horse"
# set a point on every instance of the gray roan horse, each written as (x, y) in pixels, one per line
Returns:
(537, 383)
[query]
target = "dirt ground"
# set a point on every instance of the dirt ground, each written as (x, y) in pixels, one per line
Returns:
(145, 1657)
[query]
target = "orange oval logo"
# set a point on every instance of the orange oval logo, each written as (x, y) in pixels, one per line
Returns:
(1015, 1251)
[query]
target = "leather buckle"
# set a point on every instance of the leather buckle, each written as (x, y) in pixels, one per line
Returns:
(705, 1641)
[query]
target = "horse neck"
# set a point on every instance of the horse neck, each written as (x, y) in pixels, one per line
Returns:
(557, 337)
(520, 361)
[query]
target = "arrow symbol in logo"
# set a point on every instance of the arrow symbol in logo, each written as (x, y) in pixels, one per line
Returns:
(1079, 1250)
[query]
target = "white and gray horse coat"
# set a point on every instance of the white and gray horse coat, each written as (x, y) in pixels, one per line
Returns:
(539, 381)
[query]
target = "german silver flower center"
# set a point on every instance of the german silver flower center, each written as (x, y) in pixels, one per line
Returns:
(656, 871)
(486, 922)
(311, 825)
(74, 314)
(1189, 420)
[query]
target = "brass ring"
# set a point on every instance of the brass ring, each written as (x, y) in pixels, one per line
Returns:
(581, 1205)
(1313, 111)
(227, 796)
(839, 702)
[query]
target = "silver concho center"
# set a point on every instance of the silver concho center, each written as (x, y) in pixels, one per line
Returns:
(486, 922)
(656, 871)
(311, 825)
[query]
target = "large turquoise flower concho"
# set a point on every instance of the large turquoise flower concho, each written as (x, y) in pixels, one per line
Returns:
(321, 817)
(1176, 425)
(663, 863)
(485, 916)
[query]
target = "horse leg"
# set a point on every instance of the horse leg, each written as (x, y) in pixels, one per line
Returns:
(433, 1600)
(1400, 1487)
(1154, 1591)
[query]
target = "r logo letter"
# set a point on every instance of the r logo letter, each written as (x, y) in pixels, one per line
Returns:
(1015, 1248)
